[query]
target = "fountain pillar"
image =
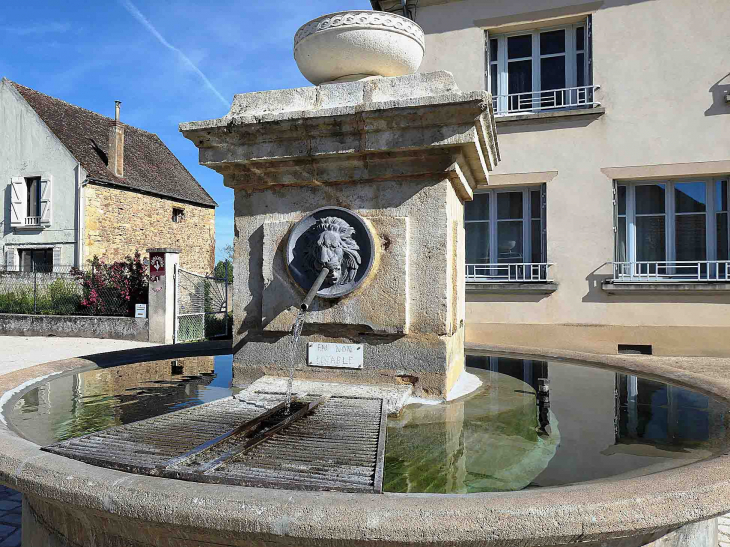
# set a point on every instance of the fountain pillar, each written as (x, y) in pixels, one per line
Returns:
(395, 158)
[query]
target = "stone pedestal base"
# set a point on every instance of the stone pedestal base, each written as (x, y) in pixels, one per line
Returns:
(431, 364)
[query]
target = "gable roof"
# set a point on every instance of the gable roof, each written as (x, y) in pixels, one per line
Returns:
(149, 166)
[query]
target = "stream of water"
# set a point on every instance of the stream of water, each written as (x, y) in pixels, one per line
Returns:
(296, 332)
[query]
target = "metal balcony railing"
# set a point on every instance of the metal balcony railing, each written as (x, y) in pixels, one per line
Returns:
(524, 272)
(538, 101)
(671, 272)
(32, 221)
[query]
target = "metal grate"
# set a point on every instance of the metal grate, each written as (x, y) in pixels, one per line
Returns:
(521, 272)
(538, 101)
(201, 308)
(678, 271)
(328, 443)
(42, 289)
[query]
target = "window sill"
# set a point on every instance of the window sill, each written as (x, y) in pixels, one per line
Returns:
(511, 288)
(559, 114)
(31, 227)
(700, 287)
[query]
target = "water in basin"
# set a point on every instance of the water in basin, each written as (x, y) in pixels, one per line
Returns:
(602, 424)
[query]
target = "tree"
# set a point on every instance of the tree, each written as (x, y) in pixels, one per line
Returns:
(220, 269)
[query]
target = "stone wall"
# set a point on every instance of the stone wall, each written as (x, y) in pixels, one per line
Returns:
(118, 222)
(81, 326)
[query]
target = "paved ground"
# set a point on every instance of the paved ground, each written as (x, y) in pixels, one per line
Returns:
(10, 501)
(18, 352)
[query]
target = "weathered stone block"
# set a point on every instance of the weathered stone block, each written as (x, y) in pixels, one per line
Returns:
(404, 153)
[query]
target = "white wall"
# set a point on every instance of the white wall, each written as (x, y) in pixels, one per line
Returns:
(663, 66)
(28, 148)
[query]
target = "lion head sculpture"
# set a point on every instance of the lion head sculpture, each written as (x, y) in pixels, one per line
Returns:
(332, 246)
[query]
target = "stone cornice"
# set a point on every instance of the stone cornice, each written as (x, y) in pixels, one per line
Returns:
(348, 122)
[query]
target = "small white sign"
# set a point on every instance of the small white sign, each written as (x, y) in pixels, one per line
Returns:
(322, 354)
(140, 310)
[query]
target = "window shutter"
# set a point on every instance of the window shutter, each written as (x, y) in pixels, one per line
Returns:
(488, 69)
(56, 259)
(46, 206)
(589, 50)
(10, 260)
(543, 222)
(616, 252)
(18, 197)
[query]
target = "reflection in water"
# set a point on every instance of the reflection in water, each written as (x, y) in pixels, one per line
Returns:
(487, 441)
(653, 414)
(543, 406)
(586, 424)
(78, 404)
(531, 424)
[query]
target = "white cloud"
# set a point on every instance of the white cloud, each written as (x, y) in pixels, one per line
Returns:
(132, 9)
(38, 28)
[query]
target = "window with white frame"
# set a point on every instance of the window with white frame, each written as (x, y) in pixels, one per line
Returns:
(672, 230)
(505, 235)
(541, 69)
(30, 201)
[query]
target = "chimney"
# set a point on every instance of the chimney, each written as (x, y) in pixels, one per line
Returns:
(116, 144)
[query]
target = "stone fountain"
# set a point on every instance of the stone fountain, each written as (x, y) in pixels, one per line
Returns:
(366, 178)
(348, 203)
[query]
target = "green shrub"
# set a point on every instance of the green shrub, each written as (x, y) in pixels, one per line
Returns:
(19, 300)
(61, 297)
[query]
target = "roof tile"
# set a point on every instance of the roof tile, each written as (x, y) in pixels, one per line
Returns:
(149, 166)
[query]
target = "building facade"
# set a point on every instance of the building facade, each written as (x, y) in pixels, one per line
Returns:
(605, 226)
(80, 185)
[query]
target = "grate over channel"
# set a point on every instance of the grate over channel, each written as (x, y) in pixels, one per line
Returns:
(326, 443)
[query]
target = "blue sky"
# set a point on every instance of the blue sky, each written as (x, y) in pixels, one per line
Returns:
(168, 61)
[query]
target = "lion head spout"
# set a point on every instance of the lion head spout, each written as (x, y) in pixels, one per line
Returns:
(332, 246)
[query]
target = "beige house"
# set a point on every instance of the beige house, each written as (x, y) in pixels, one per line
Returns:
(605, 226)
(79, 185)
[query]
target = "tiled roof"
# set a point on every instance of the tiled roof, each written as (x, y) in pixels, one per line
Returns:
(149, 166)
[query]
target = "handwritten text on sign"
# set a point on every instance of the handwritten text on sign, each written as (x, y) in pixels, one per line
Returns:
(322, 354)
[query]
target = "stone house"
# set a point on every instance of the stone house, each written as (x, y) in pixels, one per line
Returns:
(605, 226)
(79, 185)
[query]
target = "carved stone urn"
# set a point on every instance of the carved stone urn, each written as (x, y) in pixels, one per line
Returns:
(353, 45)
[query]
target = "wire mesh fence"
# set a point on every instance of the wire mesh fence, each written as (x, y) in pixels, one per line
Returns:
(97, 289)
(202, 306)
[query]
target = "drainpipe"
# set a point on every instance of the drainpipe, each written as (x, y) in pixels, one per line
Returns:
(81, 182)
(79, 217)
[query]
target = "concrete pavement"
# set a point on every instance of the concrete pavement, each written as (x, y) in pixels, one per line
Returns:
(17, 352)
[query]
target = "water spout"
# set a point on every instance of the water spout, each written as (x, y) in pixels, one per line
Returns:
(315, 289)
(296, 330)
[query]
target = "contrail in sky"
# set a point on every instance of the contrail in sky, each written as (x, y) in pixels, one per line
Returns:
(131, 8)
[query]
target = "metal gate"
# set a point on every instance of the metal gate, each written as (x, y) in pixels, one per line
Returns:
(201, 306)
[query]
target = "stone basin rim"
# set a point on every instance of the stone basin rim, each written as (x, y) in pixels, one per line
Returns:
(548, 516)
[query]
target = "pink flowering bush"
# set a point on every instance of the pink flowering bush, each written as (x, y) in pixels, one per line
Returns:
(113, 289)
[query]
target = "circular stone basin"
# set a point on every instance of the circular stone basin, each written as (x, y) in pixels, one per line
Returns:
(622, 455)
(352, 45)
(487, 441)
